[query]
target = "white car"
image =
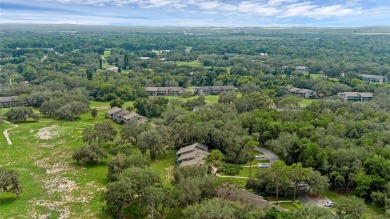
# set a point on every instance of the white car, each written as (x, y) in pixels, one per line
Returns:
(303, 184)
(329, 204)
(260, 156)
(263, 165)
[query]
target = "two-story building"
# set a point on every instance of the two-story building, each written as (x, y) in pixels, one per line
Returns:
(209, 90)
(133, 116)
(357, 96)
(110, 113)
(373, 78)
(304, 93)
(12, 101)
(164, 91)
(192, 155)
(120, 115)
(302, 68)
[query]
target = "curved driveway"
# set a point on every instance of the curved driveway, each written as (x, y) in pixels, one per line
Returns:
(268, 155)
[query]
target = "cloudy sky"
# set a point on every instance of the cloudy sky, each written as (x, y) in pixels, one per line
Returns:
(199, 12)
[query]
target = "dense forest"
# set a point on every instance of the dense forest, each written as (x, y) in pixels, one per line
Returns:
(64, 74)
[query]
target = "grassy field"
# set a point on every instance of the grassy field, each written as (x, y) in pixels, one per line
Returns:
(316, 76)
(106, 54)
(193, 64)
(53, 185)
(305, 102)
(210, 99)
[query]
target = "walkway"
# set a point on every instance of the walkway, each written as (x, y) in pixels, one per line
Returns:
(5, 133)
(237, 177)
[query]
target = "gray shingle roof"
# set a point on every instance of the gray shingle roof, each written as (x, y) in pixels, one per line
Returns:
(8, 99)
(192, 147)
(123, 112)
(196, 161)
(113, 110)
(193, 155)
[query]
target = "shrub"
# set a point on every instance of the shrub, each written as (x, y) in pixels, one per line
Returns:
(187, 94)
(89, 154)
(230, 169)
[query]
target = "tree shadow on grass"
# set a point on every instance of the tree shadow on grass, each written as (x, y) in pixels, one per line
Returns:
(6, 199)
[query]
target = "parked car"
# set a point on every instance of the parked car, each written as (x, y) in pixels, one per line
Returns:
(303, 184)
(329, 204)
(260, 156)
(263, 165)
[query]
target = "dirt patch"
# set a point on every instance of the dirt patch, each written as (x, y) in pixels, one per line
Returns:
(54, 164)
(169, 176)
(61, 185)
(48, 132)
(59, 207)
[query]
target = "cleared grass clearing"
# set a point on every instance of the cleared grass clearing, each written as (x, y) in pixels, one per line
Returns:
(193, 64)
(164, 165)
(210, 99)
(305, 102)
(316, 76)
(53, 185)
(107, 53)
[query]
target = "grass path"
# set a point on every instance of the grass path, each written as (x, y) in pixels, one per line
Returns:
(5, 133)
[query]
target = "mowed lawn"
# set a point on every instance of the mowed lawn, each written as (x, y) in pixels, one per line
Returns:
(193, 64)
(210, 99)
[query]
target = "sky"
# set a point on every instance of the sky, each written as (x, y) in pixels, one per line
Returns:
(219, 13)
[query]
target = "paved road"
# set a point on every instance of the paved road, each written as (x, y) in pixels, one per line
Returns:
(268, 155)
(319, 201)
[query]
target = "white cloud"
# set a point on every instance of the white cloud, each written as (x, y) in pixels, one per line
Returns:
(225, 11)
(280, 8)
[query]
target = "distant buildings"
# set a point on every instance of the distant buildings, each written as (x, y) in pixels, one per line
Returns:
(164, 91)
(302, 68)
(373, 78)
(297, 68)
(120, 115)
(192, 155)
(176, 91)
(357, 96)
(12, 101)
(212, 90)
(113, 69)
(304, 93)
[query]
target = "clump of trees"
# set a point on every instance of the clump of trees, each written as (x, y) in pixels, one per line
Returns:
(9, 181)
(20, 114)
(151, 107)
(94, 137)
(138, 184)
(101, 133)
(283, 179)
(65, 105)
(91, 153)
